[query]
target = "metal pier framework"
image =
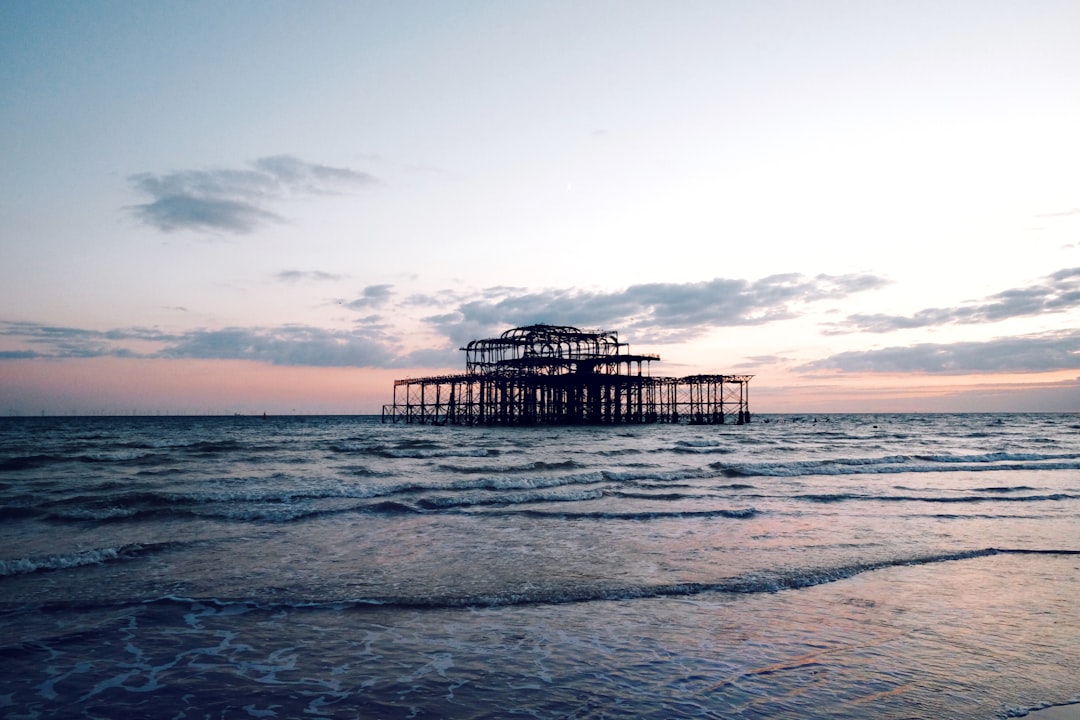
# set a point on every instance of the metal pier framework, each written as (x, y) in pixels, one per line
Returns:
(560, 375)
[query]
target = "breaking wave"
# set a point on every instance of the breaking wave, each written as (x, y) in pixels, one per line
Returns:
(81, 558)
(749, 583)
(842, 497)
(903, 464)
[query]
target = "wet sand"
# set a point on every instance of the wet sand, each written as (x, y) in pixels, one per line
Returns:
(1058, 712)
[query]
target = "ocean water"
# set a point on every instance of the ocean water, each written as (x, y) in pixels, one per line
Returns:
(843, 566)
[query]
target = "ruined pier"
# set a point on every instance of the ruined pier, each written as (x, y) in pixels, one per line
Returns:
(561, 375)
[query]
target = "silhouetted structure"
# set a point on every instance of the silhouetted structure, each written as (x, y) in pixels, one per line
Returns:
(560, 375)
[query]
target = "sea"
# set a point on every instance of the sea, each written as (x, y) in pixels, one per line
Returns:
(825, 566)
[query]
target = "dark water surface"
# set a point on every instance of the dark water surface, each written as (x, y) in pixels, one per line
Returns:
(842, 566)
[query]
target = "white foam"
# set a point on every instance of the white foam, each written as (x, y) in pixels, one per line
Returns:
(22, 566)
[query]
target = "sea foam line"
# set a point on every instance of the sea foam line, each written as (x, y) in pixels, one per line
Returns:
(895, 464)
(767, 581)
(759, 582)
(63, 561)
(840, 497)
(736, 514)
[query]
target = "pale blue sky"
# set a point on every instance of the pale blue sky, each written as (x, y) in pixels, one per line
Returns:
(870, 203)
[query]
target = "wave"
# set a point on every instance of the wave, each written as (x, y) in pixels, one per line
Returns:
(413, 453)
(703, 450)
(392, 507)
(903, 464)
(1019, 712)
(739, 514)
(978, 516)
(415, 449)
(671, 485)
(116, 456)
(460, 501)
(364, 471)
(283, 501)
(82, 558)
(997, 457)
(287, 490)
(841, 497)
(514, 482)
(281, 498)
(437, 453)
(351, 446)
(538, 466)
(750, 583)
(657, 495)
(701, 447)
(637, 476)
(698, 443)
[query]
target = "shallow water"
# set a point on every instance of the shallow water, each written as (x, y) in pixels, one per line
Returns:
(838, 566)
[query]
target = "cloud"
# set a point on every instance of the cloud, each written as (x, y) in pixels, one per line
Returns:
(440, 298)
(234, 200)
(1057, 292)
(56, 341)
(368, 344)
(1024, 353)
(653, 311)
(287, 345)
(372, 296)
(184, 212)
(648, 312)
(292, 276)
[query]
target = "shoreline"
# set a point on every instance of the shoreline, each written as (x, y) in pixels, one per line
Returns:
(1068, 711)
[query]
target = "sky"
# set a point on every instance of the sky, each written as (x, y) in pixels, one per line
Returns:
(206, 207)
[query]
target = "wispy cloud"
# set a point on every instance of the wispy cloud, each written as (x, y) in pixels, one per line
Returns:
(1056, 293)
(368, 344)
(287, 345)
(56, 341)
(235, 200)
(292, 276)
(187, 212)
(371, 297)
(652, 311)
(1024, 353)
(687, 309)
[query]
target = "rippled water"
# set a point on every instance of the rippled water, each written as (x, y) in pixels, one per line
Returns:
(837, 566)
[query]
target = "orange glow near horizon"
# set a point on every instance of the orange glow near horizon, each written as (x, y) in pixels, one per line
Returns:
(125, 386)
(1057, 391)
(119, 385)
